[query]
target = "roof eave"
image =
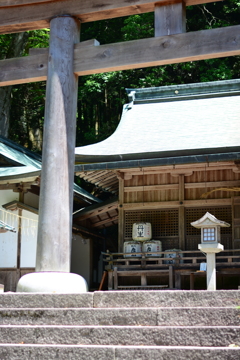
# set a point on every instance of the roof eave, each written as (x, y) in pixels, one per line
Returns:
(232, 154)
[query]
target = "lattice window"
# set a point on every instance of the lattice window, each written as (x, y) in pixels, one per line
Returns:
(209, 234)
(164, 222)
(221, 213)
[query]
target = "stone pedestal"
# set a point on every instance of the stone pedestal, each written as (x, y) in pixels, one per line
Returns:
(52, 282)
(211, 250)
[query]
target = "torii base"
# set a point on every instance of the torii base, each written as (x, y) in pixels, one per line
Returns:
(52, 282)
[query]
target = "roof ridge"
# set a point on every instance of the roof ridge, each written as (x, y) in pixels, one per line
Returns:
(184, 91)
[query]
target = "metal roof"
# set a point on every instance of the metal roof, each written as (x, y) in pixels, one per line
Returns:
(18, 154)
(5, 227)
(18, 162)
(83, 193)
(21, 164)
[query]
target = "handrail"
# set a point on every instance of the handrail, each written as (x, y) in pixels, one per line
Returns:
(166, 252)
(111, 258)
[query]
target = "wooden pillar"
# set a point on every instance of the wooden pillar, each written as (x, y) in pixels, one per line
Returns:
(21, 199)
(56, 197)
(170, 18)
(181, 214)
(121, 214)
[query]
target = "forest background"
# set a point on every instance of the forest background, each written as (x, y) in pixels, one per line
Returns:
(101, 96)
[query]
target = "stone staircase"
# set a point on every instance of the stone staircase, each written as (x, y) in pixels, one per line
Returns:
(126, 325)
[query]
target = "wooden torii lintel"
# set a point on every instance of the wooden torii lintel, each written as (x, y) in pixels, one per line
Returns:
(24, 15)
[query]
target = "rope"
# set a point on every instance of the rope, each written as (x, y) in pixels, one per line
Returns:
(205, 195)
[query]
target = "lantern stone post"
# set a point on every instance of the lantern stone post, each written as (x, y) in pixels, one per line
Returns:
(210, 243)
(57, 176)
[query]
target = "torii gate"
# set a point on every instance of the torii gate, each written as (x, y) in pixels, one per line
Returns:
(61, 64)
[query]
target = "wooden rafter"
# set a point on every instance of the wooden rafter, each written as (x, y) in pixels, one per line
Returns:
(105, 221)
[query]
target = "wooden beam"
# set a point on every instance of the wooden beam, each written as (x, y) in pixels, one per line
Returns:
(33, 67)
(8, 187)
(80, 229)
(181, 213)
(44, 51)
(23, 70)
(179, 169)
(200, 45)
(105, 221)
(33, 15)
(205, 44)
(31, 178)
(5, 3)
(165, 187)
(121, 215)
(176, 204)
(151, 188)
(18, 205)
(96, 212)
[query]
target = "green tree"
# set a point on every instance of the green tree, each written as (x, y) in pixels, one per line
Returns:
(101, 96)
(28, 100)
(11, 45)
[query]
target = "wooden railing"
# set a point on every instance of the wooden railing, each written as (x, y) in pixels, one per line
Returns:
(159, 264)
(160, 258)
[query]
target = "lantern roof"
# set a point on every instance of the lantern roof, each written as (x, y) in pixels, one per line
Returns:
(209, 220)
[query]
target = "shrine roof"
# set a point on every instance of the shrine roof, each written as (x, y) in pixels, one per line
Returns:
(171, 122)
(16, 155)
(21, 164)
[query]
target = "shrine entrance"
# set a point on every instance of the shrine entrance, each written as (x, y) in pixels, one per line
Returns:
(60, 65)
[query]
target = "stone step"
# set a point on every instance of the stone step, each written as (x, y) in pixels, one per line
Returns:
(94, 352)
(123, 299)
(48, 300)
(123, 316)
(166, 298)
(216, 336)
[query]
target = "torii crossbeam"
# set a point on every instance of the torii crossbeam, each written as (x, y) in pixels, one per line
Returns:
(61, 64)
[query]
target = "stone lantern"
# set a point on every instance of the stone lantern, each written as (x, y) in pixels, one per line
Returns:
(210, 243)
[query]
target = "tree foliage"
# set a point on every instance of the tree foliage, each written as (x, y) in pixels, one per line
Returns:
(101, 96)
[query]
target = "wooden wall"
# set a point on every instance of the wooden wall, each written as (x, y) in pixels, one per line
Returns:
(9, 277)
(182, 195)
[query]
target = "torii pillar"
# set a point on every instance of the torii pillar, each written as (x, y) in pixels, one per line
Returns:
(57, 177)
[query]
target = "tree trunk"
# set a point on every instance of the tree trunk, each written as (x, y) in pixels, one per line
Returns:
(15, 49)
